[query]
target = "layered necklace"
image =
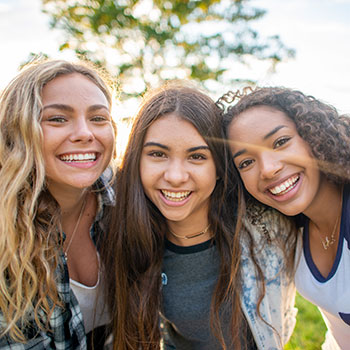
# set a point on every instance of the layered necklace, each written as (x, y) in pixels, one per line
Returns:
(193, 235)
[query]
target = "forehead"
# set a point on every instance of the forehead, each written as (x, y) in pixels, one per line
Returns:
(258, 121)
(173, 129)
(69, 88)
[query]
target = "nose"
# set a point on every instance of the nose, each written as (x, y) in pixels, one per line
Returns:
(176, 173)
(270, 165)
(81, 131)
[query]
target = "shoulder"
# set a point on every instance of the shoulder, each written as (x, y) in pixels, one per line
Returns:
(103, 188)
(265, 234)
(266, 238)
(346, 194)
(266, 224)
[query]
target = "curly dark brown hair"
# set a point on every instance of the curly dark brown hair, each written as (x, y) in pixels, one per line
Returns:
(319, 124)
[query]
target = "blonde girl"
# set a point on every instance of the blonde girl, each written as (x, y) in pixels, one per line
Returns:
(56, 141)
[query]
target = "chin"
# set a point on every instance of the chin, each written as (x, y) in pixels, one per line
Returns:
(83, 183)
(289, 211)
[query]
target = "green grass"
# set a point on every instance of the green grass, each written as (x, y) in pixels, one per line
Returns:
(310, 329)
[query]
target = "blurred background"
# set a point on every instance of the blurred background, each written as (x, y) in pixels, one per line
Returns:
(221, 44)
(224, 44)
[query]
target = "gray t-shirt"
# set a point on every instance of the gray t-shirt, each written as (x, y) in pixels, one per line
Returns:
(189, 277)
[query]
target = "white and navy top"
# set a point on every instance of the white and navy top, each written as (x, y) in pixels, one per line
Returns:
(332, 293)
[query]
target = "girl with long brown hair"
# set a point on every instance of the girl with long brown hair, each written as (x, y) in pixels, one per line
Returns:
(183, 268)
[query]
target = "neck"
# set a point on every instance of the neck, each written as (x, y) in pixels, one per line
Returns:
(71, 202)
(321, 215)
(188, 235)
(68, 200)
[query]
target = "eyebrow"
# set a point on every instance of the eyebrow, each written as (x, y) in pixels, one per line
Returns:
(273, 131)
(97, 107)
(269, 134)
(68, 108)
(192, 149)
(239, 153)
(149, 144)
(59, 106)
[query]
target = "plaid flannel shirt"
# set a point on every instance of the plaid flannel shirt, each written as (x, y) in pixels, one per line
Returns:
(66, 324)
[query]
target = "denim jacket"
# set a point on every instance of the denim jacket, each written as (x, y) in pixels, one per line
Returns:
(277, 307)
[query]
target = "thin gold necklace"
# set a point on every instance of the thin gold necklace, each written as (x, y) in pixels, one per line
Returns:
(327, 242)
(193, 235)
(75, 228)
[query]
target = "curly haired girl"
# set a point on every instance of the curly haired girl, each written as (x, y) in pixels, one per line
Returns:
(292, 153)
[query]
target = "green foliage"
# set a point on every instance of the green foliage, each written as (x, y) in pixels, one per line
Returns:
(149, 41)
(310, 328)
(33, 57)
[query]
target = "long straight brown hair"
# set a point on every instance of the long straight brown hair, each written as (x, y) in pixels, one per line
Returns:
(134, 247)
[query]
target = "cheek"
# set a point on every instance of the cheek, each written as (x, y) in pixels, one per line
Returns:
(52, 140)
(315, 179)
(146, 175)
(213, 179)
(205, 176)
(249, 182)
(251, 185)
(50, 145)
(108, 138)
(48, 140)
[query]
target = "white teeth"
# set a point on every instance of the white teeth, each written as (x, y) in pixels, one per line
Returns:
(81, 157)
(285, 186)
(176, 196)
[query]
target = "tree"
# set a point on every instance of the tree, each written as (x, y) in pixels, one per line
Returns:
(144, 42)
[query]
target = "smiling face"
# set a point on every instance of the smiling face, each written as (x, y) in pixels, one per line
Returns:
(274, 162)
(78, 134)
(178, 173)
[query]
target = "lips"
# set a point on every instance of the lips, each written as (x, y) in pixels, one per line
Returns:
(78, 157)
(285, 186)
(175, 196)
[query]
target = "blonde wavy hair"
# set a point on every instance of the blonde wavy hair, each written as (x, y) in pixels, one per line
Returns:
(29, 219)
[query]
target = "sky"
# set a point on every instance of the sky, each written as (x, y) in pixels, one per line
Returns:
(319, 31)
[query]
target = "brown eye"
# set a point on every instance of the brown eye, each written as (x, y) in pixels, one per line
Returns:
(244, 164)
(281, 141)
(157, 154)
(198, 156)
